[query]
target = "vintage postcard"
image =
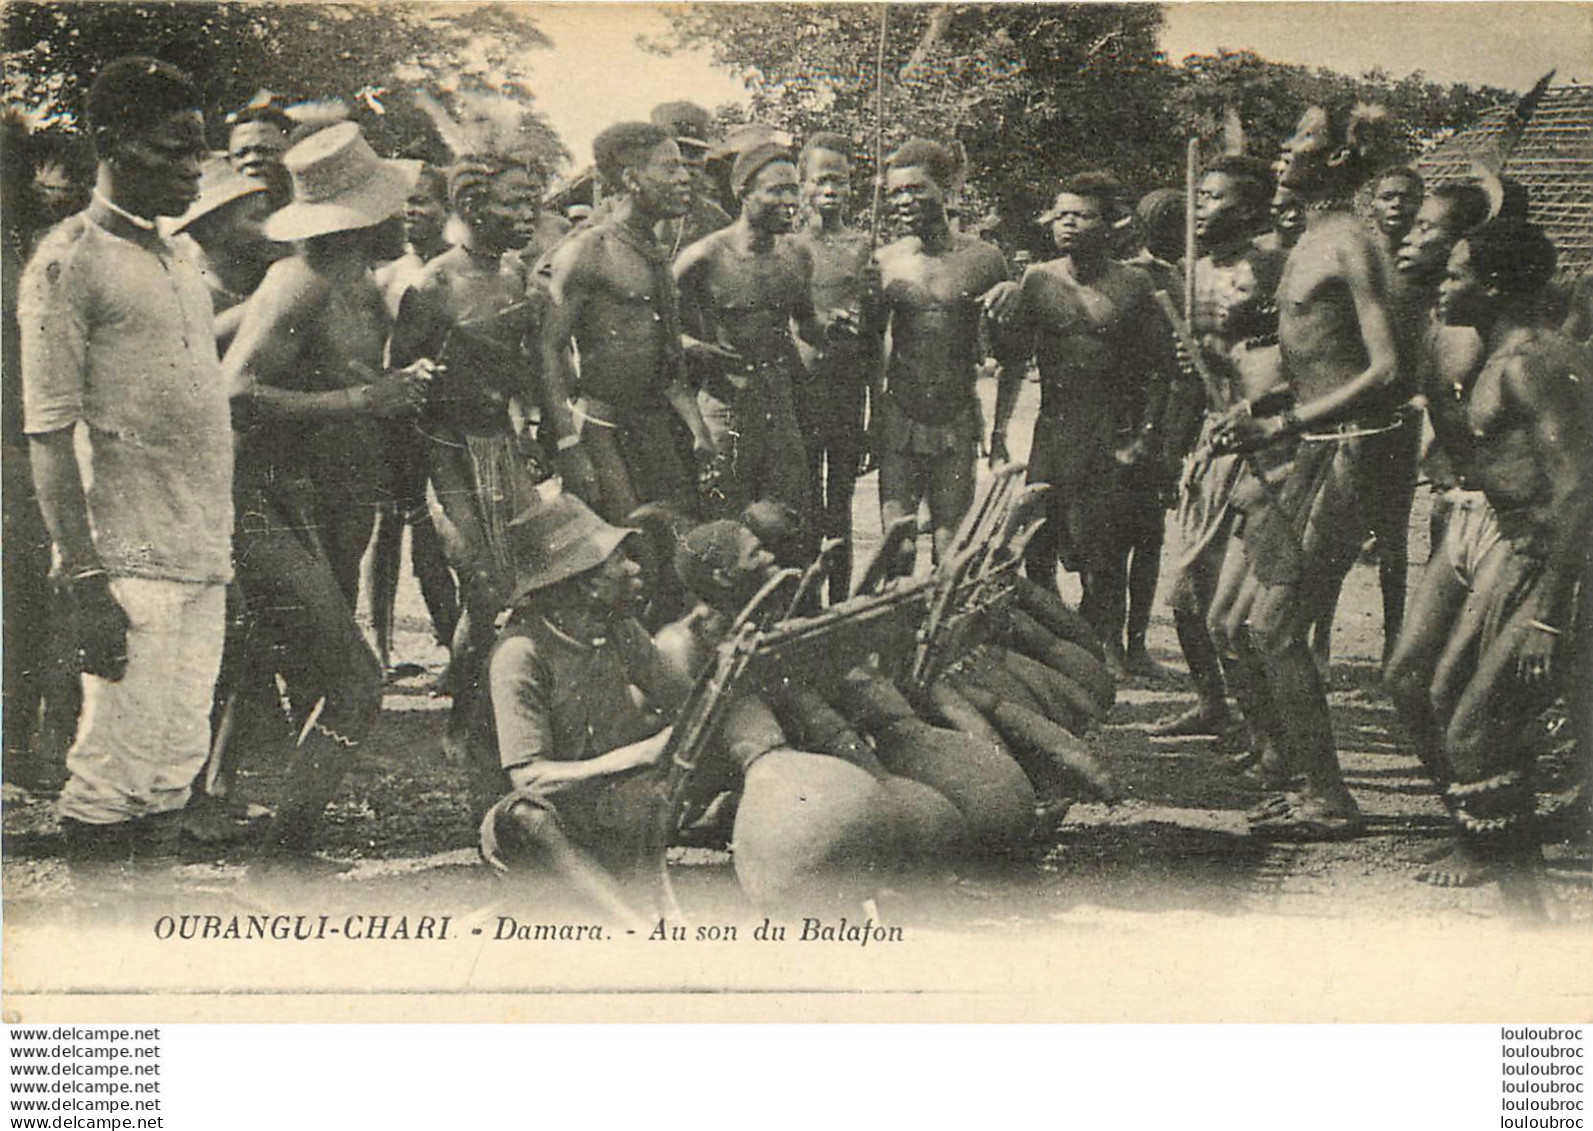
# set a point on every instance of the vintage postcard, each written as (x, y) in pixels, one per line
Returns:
(752, 512)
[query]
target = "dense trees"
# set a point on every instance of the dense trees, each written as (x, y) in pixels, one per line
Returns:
(1032, 92)
(367, 54)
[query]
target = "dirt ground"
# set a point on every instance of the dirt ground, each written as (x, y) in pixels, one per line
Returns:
(1176, 843)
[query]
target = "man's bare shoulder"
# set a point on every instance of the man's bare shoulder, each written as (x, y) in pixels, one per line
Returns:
(1555, 359)
(578, 251)
(702, 251)
(291, 284)
(980, 251)
(900, 249)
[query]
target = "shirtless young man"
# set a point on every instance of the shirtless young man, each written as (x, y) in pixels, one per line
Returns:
(1396, 199)
(407, 466)
(1446, 214)
(306, 358)
(830, 398)
(1497, 605)
(932, 283)
(741, 290)
(1086, 320)
(612, 293)
(1236, 330)
(1341, 357)
(469, 313)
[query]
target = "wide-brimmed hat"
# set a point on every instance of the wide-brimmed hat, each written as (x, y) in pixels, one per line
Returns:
(340, 184)
(219, 185)
(558, 538)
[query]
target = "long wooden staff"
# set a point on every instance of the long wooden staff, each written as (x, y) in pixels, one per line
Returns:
(1191, 175)
(879, 128)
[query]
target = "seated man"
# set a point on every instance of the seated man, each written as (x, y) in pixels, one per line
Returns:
(574, 750)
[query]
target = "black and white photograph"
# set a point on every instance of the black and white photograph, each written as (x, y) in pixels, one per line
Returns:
(800, 511)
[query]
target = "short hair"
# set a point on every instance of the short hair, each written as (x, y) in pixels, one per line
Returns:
(1514, 256)
(1401, 172)
(704, 550)
(823, 142)
(626, 145)
(271, 115)
(1468, 204)
(1252, 175)
(921, 153)
(1099, 186)
(132, 94)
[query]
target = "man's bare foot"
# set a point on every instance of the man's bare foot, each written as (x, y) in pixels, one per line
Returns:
(1311, 820)
(1202, 718)
(1139, 663)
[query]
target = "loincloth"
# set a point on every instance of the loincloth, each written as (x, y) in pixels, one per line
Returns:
(1320, 510)
(1206, 518)
(900, 432)
(502, 485)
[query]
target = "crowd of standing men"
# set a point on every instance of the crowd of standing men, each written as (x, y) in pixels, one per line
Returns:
(603, 437)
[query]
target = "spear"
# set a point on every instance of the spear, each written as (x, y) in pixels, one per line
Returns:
(879, 127)
(1191, 174)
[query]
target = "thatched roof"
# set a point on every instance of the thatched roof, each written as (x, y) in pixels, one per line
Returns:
(1552, 159)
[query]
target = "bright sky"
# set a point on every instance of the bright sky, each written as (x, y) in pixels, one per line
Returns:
(595, 74)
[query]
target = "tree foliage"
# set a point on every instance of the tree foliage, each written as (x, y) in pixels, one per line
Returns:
(1032, 92)
(365, 54)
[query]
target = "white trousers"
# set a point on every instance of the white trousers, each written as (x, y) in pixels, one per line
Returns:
(141, 741)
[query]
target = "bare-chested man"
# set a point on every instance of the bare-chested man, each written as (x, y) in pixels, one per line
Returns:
(1084, 318)
(1446, 214)
(741, 290)
(1341, 357)
(407, 463)
(1396, 198)
(612, 293)
(469, 312)
(307, 358)
(1497, 605)
(829, 400)
(925, 419)
(1236, 331)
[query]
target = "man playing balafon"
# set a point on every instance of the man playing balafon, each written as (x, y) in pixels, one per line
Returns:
(574, 748)
(1482, 651)
(613, 295)
(1341, 357)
